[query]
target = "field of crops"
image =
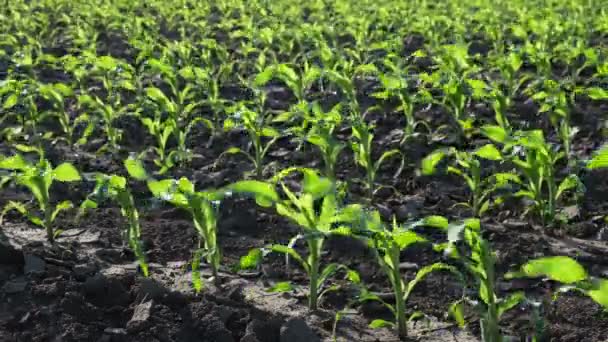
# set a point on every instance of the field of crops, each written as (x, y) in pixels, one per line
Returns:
(281, 170)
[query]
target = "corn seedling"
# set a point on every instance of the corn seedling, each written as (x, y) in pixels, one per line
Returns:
(362, 149)
(114, 188)
(38, 178)
(387, 244)
(316, 212)
(468, 166)
(262, 136)
(321, 135)
(479, 263)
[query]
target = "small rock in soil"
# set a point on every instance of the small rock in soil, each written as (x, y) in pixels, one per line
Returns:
(33, 264)
(84, 270)
(603, 234)
(296, 330)
(15, 286)
(515, 224)
(115, 331)
(408, 266)
(141, 317)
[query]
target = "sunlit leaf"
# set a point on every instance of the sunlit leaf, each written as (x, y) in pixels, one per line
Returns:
(66, 172)
(136, 169)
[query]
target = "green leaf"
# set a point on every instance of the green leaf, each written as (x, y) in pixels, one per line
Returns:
(264, 77)
(118, 182)
(60, 207)
(106, 62)
(434, 221)
(510, 302)
(23, 210)
(489, 152)
(10, 101)
(252, 260)
(429, 163)
(185, 185)
(162, 189)
(405, 238)
(284, 286)
(315, 185)
(233, 150)
(136, 169)
(292, 253)
(88, 204)
(495, 133)
(326, 273)
(384, 156)
(425, 271)
(558, 268)
(380, 323)
(265, 193)
(66, 172)
(270, 132)
(353, 276)
(456, 310)
(600, 160)
(159, 97)
(599, 292)
(570, 182)
(597, 93)
(15, 162)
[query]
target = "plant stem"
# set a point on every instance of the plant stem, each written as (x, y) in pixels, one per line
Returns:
(398, 290)
(552, 191)
(314, 246)
(48, 224)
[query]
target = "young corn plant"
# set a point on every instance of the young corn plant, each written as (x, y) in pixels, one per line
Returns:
(298, 84)
(468, 166)
(556, 103)
(457, 86)
(38, 178)
(56, 94)
(181, 194)
(161, 131)
(478, 261)
(539, 169)
(321, 135)
(262, 136)
(395, 86)
(202, 206)
(114, 188)
(318, 215)
(536, 159)
(362, 149)
(115, 77)
(387, 243)
(21, 102)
